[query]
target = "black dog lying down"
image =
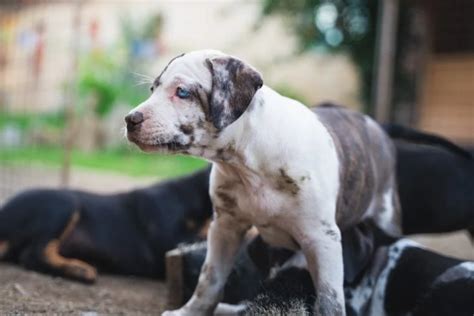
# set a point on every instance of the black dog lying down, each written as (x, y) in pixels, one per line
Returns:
(72, 233)
(382, 277)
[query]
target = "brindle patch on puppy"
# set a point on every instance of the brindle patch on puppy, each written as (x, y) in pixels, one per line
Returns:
(362, 155)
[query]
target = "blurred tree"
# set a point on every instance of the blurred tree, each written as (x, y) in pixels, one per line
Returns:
(107, 75)
(98, 78)
(343, 26)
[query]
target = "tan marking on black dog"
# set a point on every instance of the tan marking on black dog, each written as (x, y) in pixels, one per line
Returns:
(202, 233)
(285, 183)
(190, 224)
(4, 246)
(70, 226)
(72, 267)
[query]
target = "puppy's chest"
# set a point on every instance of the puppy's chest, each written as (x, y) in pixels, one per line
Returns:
(268, 210)
(263, 203)
(260, 201)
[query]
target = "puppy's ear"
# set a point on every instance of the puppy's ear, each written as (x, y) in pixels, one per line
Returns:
(233, 86)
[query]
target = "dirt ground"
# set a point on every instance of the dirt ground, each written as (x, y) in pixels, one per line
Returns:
(28, 293)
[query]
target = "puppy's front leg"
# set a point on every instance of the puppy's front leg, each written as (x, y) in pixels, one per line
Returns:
(322, 248)
(224, 239)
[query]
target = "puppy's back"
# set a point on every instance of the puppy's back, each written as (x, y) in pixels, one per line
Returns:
(367, 166)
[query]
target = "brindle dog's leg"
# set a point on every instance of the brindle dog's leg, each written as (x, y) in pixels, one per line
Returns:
(43, 255)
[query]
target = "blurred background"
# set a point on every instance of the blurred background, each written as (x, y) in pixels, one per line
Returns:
(70, 70)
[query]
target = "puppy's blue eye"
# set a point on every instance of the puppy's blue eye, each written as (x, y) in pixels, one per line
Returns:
(182, 93)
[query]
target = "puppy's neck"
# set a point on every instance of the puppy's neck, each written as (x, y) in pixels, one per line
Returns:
(235, 146)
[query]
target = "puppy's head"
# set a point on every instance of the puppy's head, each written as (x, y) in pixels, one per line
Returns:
(195, 97)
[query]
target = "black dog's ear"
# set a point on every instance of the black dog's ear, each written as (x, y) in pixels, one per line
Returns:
(233, 86)
(358, 246)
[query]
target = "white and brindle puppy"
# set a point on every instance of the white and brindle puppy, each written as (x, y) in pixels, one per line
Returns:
(298, 176)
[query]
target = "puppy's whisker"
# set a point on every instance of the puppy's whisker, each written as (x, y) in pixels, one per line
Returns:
(143, 76)
(142, 79)
(123, 132)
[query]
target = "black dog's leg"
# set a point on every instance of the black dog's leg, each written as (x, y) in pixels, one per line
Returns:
(43, 254)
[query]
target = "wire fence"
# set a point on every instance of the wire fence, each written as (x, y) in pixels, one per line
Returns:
(37, 71)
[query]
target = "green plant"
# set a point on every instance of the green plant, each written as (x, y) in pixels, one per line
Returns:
(98, 78)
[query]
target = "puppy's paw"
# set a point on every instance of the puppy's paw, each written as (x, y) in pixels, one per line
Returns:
(176, 312)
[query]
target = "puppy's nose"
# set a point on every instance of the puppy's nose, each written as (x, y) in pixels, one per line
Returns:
(133, 120)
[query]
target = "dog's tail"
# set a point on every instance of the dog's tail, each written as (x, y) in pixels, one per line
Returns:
(5, 232)
(401, 132)
(5, 225)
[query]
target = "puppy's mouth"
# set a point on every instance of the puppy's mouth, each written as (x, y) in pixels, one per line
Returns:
(170, 146)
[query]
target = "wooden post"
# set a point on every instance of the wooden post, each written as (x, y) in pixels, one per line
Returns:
(385, 59)
(174, 278)
(71, 98)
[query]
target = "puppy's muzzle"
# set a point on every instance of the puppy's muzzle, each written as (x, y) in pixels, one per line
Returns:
(134, 121)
